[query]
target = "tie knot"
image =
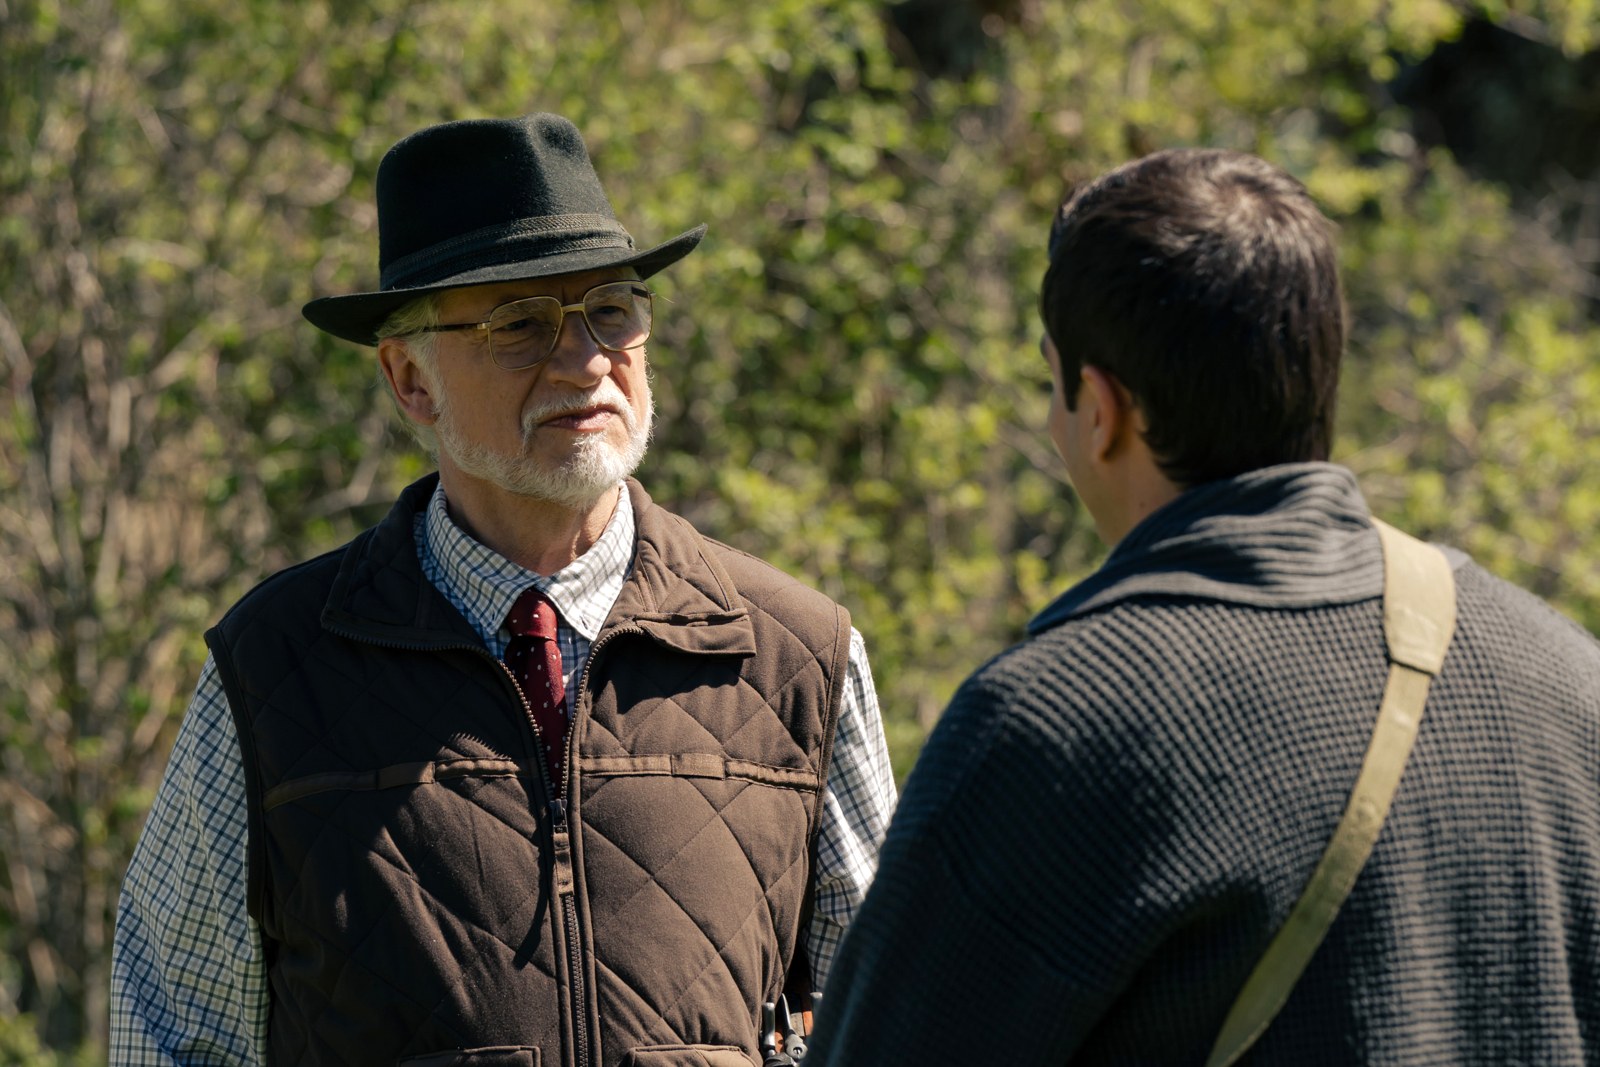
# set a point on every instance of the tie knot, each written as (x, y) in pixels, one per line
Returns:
(532, 616)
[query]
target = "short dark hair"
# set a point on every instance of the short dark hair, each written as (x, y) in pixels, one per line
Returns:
(1207, 283)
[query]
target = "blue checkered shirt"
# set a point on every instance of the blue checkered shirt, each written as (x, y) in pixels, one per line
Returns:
(188, 980)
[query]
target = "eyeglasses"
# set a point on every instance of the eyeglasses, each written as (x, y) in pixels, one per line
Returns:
(523, 333)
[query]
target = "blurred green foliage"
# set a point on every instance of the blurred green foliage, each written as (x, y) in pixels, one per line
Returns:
(847, 372)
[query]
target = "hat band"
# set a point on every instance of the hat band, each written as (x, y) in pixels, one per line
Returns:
(526, 239)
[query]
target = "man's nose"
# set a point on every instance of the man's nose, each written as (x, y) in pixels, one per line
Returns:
(577, 353)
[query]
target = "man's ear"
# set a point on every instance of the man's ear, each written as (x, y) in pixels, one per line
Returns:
(412, 391)
(1111, 413)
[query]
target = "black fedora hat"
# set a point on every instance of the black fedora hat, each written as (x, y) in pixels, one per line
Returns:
(487, 200)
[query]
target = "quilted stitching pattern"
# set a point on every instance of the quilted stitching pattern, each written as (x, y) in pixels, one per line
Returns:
(454, 866)
(714, 869)
(438, 893)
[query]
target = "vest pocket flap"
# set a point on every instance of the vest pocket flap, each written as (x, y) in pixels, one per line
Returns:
(499, 1056)
(393, 777)
(719, 633)
(697, 765)
(687, 1056)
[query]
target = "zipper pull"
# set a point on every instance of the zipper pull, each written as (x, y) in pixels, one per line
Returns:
(558, 811)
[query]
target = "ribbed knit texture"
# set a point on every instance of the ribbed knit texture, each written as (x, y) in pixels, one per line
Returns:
(1112, 818)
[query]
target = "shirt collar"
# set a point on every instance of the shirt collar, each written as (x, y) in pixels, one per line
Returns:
(484, 584)
(1285, 537)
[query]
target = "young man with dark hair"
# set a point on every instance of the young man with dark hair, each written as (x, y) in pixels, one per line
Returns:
(1115, 818)
(1207, 284)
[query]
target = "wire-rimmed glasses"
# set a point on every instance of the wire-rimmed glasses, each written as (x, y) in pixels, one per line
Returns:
(522, 333)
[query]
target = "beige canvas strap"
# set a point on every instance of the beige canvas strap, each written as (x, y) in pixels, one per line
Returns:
(1419, 617)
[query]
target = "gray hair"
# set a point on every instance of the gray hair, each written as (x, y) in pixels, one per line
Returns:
(405, 325)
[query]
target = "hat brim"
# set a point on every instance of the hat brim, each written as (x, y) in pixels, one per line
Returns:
(358, 316)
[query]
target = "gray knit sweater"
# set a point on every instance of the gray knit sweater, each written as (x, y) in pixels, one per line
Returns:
(1113, 817)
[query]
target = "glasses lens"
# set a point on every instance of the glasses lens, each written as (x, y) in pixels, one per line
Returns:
(523, 332)
(619, 314)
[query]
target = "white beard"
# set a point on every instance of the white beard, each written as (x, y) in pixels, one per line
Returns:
(594, 467)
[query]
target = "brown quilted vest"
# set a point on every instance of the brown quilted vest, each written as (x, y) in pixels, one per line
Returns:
(423, 902)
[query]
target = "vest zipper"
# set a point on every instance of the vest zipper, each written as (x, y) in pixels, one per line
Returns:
(560, 837)
(580, 1022)
(567, 879)
(563, 880)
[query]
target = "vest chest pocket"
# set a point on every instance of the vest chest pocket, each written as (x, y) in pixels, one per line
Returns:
(499, 1056)
(699, 765)
(687, 1056)
(395, 776)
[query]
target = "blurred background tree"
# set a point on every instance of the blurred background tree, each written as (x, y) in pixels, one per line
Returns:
(847, 370)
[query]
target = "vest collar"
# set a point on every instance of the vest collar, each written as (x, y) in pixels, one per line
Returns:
(677, 593)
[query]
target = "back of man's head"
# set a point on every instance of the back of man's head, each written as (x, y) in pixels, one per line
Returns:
(1207, 283)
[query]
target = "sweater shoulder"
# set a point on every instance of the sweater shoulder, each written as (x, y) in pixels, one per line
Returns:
(1528, 646)
(1168, 673)
(1080, 661)
(1042, 699)
(1539, 623)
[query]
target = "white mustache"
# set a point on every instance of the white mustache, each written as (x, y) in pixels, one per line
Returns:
(605, 395)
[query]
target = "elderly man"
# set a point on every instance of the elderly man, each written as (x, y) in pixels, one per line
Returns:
(1113, 821)
(531, 772)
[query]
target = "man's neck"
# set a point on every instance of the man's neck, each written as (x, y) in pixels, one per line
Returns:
(1132, 487)
(537, 534)
(1141, 501)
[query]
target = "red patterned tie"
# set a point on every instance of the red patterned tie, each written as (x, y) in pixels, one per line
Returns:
(535, 662)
